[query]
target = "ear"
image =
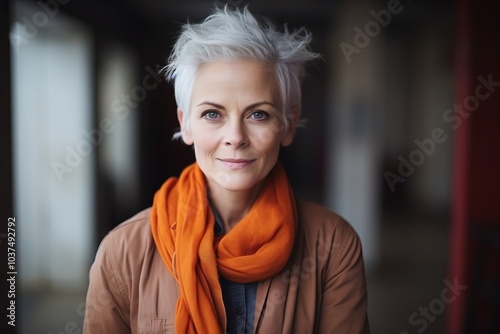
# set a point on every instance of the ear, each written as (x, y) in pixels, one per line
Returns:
(186, 134)
(288, 135)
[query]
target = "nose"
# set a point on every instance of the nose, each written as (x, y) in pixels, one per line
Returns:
(235, 134)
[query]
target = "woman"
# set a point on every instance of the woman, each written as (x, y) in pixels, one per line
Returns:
(226, 248)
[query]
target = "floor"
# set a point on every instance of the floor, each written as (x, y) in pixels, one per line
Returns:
(408, 279)
(52, 313)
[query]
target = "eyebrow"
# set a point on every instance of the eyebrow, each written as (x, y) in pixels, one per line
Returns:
(252, 106)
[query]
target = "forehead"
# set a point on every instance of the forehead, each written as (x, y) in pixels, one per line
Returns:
(243, 79)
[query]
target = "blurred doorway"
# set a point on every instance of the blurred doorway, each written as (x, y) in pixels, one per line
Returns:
(52, 103)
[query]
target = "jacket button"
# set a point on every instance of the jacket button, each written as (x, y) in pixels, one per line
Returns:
(239, 311)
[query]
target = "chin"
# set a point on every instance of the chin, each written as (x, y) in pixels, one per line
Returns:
(239, 183)
(242, 185)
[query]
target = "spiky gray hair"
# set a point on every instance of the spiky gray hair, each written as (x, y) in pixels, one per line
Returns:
(235, 34)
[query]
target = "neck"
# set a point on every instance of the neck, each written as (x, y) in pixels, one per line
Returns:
(232, 206)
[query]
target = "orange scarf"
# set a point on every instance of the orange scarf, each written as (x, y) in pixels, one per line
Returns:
(257, 248)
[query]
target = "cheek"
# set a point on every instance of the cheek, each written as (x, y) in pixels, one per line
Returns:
(268, 139)
(268, 148)
(205, 142)
(272, 133)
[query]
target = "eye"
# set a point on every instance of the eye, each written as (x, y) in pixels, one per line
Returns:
(211, 115)
(259, 115)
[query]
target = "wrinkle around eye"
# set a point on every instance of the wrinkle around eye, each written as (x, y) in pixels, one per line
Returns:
(265, 115)
(208, 113)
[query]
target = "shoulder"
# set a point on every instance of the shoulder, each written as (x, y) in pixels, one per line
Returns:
(133, 230)
(126, 256)
(128, 243)
(315, 218)
(324, 231)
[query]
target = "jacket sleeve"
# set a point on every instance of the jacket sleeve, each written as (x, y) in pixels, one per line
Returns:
(107, 308)
(344, 304)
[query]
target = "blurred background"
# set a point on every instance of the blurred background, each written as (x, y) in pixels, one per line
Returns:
(401, 139)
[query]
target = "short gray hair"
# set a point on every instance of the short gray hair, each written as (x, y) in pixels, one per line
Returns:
(235, 34)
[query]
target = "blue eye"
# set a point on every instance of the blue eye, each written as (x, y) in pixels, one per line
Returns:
(211, 115)
(260, 115)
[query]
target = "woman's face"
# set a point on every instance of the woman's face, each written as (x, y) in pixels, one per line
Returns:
(235, 124)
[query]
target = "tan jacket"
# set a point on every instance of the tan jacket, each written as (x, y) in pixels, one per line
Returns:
(321, 290)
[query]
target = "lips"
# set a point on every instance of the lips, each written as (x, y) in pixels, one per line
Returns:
(236, 163)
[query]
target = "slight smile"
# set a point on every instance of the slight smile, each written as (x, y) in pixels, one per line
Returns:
(236, 163)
